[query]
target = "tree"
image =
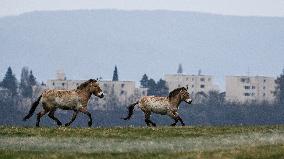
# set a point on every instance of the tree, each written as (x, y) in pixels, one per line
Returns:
(25, 87)
(27, 82)
(214, 98)
(151, 87)
(32, 79)
(279, 92)
(161, 88)
(115, 74)
(10, 82)
(180, 70)
(144, 81)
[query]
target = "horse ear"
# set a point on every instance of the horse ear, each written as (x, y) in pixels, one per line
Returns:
(186, 87)
(92, 80)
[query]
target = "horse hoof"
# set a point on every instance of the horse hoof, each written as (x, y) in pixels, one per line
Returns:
(173, 124)
(67, 124)
(89, 124)
(154, 124)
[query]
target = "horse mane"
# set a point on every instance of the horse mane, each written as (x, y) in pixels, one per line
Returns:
(176, 92)
(85, 84)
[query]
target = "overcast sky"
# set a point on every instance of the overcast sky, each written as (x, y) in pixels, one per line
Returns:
(231, 7)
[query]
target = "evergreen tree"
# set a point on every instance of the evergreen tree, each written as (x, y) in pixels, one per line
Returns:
(144, 81)
(151, 87)
(280, 88)
(32, 79)
(180, 70)
(161, 88)
(10, 82)
(115, 74)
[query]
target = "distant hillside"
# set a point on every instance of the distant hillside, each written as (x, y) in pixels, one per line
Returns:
(89, 43)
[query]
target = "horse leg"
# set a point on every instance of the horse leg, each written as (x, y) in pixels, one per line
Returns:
(73, 118)
(147, 119)
(85, 111)
(175, 123)
(181, 121)
(39, 115)
(176, 117)
(51, 115)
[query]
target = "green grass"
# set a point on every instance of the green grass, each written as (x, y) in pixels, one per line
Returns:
(129, 142)
(261, 152)
(134, 132)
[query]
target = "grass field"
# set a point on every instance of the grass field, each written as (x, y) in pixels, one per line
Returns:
(130, 142)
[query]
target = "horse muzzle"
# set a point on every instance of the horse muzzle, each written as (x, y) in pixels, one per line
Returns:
(101, 95)
(189, 101)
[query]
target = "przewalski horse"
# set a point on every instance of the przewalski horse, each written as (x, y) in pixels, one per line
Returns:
(76, 100)
(162, 105)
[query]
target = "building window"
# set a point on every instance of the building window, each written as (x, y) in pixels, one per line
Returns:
(122, 92)
(246, 94)
(247, 87)
(264, 87)
(192, 79)
(122, 85)
(202, 79)
(202, 86)
(63, 84)
(245, 80)
(77, 84)
(192, 86)
(264, 80)
(179, 85)
(264, 94)
(53, 83)
(252, 94)
(252, 87)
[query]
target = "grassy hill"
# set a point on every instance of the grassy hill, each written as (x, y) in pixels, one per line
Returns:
(129, 142)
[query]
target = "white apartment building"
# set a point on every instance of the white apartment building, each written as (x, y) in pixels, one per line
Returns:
(196, 83)
(250, 89)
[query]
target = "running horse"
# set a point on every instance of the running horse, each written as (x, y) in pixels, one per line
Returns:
(76, 100)
(162, 105)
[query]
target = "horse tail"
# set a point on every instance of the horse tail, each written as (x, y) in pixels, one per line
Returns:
(130, 110)
(33, 108)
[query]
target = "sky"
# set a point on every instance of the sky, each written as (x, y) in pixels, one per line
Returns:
(227, 7)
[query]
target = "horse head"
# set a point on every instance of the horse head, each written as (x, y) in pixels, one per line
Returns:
(92, 87)
(182, 93)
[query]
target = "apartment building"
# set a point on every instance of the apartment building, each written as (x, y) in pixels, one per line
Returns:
(250, 89)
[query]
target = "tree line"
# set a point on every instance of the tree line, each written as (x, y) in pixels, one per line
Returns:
(212, 110)
(23, 88)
